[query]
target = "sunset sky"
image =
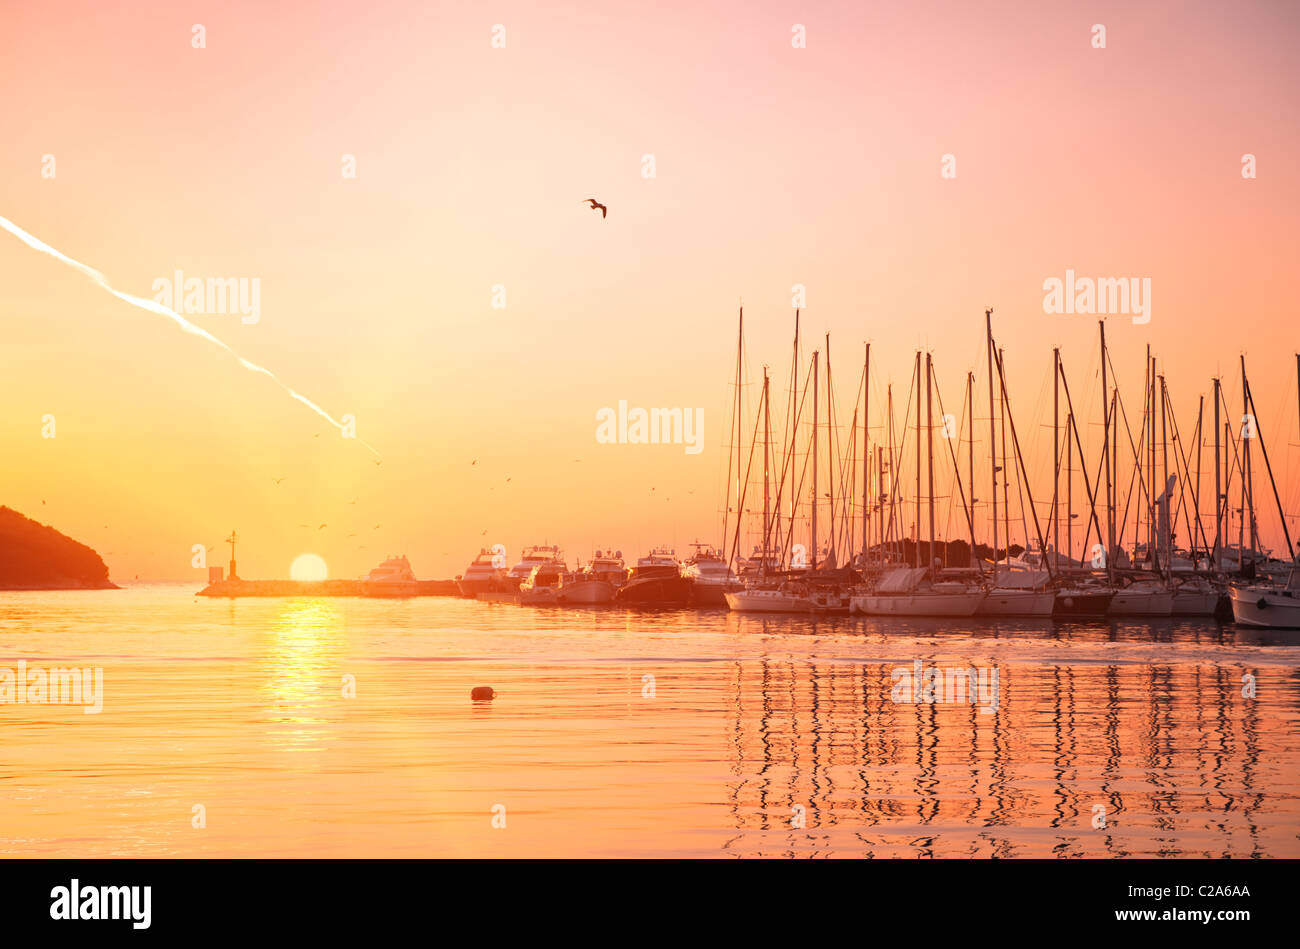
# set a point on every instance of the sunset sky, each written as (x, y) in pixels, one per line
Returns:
(774, 166)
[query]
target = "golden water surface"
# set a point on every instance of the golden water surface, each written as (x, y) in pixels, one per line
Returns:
(344, 727)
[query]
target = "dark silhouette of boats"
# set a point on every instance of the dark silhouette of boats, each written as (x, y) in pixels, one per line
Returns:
(656, 580)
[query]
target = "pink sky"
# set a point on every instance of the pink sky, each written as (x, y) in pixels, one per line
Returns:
(775, 166)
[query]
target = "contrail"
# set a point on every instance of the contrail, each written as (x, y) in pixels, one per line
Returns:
(155, 307)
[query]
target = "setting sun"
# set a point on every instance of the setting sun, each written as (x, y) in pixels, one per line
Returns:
(309, 567)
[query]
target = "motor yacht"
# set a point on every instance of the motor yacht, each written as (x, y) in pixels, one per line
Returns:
(394, 577)
(1274, 606)
(482, 576)
(596, 583)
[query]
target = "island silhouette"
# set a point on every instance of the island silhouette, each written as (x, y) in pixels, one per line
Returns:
(35, 556)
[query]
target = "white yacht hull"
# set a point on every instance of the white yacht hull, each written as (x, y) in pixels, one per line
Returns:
(1017, 603)
(586, 593)
(1195, 602)
(767, 601)
(917, 604)
(1142, 603)
(1268, 608)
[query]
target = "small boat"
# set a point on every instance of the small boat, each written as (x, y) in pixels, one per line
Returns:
(532, 556)
(1268, 605)
(394, 577)
(482, 576)
(1019, 593)
(781, 598)
(710, 577)
(656, 581)
(1082, 601)
(1143, 598)
(911, 592)
(596, 583)
(542, 586)
(1195, 597)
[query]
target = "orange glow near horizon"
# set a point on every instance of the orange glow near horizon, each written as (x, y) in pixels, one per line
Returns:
(774, 167)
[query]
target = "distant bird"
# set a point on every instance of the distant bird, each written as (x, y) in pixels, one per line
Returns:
(506, 479)
(376, 527)
(277, 480)
(322, 527)
(353, 501)
(378, 461)
(473, 463)
(42, 500)
(596, 204)
(317, 435)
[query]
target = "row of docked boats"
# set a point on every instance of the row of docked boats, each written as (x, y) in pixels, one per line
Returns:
(897, 590)
(542, 578)
(704, 580)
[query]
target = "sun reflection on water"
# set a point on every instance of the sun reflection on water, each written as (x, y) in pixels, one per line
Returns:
(300, 673)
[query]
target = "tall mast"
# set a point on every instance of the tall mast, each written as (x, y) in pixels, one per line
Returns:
(1248, 480)
(814, 465)
(1164, 481)
(767, 451)
(970, 460)
(1218, 486)
(830, 441)
(1196, 495)
(1105, 455)
(929, 455)
(1069, 489)
(866, 467)
(993, 438)
(917, 558)
(1006, 501)
(893, 469)
(1151, 455)
(1056, 457)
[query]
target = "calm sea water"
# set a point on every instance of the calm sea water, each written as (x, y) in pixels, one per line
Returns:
(640, 734)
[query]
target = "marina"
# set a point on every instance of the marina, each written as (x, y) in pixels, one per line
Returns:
(1148, 551)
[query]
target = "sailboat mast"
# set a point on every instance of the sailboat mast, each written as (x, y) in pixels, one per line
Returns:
(1167, 520)
(767, 451)
(1056, 457)
(866, 467)
(830, 441)
(1069, 490)
(813, 545)
(993, 436)
(970, 460)
(1218, 485)
(1248, 479)
(917, 533)
(1105, 456)
(1006, 501)
(893, 469)
(929, 455)
(1196, 495)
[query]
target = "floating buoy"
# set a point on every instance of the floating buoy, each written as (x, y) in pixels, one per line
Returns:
(482, 693)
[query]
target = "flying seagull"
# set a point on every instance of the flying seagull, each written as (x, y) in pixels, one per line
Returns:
(596, 204)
